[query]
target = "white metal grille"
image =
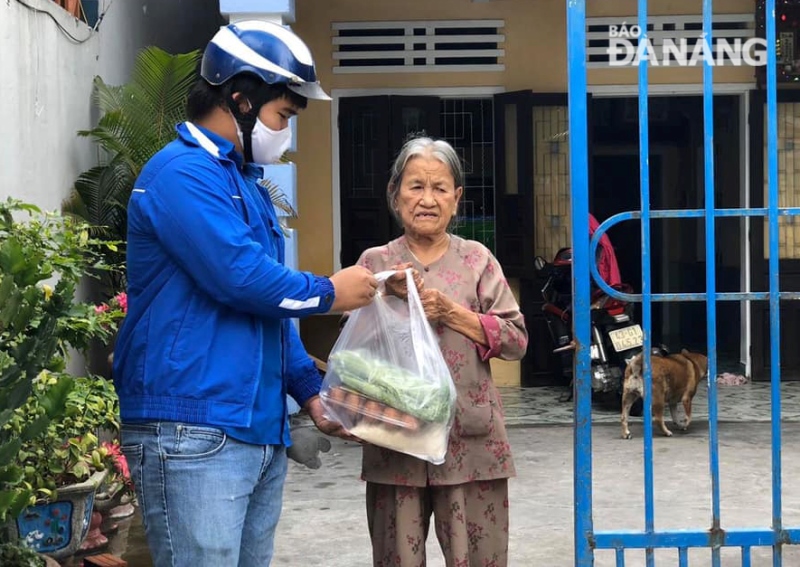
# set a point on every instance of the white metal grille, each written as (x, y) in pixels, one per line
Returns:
(418, 46)
(675, 29)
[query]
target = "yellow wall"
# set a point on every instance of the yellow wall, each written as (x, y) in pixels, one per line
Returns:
(535, 59)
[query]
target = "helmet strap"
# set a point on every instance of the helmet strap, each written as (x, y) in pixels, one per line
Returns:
(246, 121)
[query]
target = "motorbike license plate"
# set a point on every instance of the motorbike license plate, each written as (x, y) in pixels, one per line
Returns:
(627, 338)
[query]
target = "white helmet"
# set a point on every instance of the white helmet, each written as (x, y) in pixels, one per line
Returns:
(268, 50)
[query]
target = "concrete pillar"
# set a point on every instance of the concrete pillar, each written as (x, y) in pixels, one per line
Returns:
(278, 11)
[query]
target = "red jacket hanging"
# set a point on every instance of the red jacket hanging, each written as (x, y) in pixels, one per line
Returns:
(607, 261)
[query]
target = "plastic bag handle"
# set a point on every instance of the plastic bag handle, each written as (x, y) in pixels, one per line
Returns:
(414, 300)
(412, 287)
(416, 311)
(385, 275)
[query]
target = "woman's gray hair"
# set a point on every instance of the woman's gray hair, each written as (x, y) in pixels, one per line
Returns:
(422, 146)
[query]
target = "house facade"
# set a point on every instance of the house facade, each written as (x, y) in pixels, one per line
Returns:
(491, 77)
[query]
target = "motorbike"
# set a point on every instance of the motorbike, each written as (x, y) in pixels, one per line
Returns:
(615, 337)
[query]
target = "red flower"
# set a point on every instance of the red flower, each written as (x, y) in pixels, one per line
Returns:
(120, 462)
(119, 301)
(122, 300)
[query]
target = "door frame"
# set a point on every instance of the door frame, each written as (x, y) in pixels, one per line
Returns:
(757, 106)
(742, 90)
(336, 94)
(516, 210)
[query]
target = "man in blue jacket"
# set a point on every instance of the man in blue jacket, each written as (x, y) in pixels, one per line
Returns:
(207, 353)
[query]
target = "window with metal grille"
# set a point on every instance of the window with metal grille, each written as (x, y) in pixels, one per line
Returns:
(418, 46)
(467, 125)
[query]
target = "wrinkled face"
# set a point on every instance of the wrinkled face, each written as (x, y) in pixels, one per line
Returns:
(427, 198)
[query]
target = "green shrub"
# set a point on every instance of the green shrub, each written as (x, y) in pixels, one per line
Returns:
(43, 257)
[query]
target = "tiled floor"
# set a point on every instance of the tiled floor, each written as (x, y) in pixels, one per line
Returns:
(746, 403)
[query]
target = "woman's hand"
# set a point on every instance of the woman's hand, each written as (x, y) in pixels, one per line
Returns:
(438, 307)
(441, 309)
(396, 284)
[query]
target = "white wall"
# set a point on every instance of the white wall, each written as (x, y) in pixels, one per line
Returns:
(47, 82)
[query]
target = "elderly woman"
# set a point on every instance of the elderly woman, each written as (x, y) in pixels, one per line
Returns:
(473, 311)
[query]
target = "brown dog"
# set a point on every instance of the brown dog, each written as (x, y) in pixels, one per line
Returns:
(675, 379)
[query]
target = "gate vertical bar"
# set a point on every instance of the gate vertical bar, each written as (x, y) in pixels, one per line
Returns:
(579, 203)
(644, 189)
(774, 277)
(681, 539)
(711, 284)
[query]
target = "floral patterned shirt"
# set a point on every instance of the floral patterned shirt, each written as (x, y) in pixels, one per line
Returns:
(478, 448)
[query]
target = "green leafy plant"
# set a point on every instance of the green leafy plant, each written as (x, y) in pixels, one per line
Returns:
(138, 119)
(68, 451)
(42, 259)
(12, 555)
(279, 200)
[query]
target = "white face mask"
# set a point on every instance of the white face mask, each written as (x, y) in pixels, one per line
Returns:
(269, 145)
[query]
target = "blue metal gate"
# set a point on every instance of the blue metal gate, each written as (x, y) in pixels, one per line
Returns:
(587, 540)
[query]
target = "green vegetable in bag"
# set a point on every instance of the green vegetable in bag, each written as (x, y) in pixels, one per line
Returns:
(429, 400)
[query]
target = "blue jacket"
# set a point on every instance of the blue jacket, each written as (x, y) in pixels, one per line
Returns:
(209, 300)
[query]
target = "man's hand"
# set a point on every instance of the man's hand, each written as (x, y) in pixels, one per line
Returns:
(354, 286)
(328, 427)
(396, 285)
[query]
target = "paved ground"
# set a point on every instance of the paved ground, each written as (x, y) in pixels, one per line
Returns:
(323, 522)
(747, 403)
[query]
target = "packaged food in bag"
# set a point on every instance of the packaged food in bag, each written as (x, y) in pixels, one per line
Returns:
(387, 381)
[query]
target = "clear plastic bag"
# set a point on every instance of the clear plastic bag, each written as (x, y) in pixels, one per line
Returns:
(387, 381)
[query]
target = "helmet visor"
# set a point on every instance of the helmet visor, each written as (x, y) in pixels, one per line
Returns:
(309, 90)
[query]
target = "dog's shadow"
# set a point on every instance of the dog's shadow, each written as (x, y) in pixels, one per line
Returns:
(699, 428)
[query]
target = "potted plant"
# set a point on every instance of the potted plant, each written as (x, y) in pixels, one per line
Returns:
(66, 464)
(42, 260)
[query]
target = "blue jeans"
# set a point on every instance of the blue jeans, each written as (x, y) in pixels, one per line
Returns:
(206, 499)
